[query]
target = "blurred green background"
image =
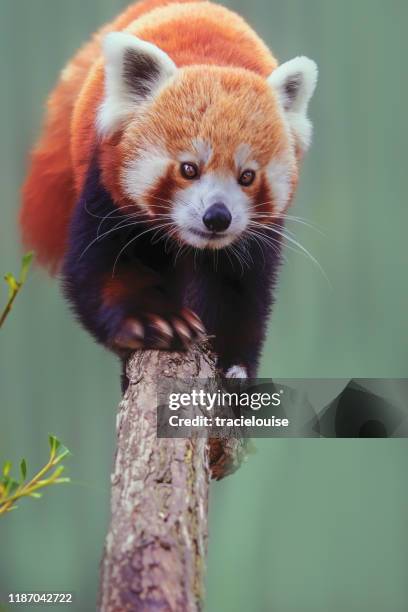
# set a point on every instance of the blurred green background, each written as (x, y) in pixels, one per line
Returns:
(306, 525)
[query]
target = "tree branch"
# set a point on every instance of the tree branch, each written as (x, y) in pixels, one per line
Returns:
(155, 549)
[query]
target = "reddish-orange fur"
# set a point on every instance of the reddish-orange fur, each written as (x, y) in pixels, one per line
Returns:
(191, 33)
(128, 283)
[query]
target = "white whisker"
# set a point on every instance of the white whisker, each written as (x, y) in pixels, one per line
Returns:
(303, 250)
(151, 229)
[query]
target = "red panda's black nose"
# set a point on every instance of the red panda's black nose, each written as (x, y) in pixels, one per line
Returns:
(217, 218)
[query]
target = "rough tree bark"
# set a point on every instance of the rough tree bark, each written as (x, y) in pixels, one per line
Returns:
(155, 549)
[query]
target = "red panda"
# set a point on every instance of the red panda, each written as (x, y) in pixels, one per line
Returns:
(168, 158)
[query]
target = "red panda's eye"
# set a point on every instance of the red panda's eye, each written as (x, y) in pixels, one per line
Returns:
(247, 178)
(189, 170)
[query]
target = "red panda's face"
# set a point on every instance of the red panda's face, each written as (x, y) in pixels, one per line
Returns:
(209, 151)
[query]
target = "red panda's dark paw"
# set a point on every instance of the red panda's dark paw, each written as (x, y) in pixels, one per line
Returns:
(152, 331)
(177, 331)
(188, 326)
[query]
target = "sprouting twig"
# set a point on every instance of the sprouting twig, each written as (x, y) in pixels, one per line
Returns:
(12, 490)
(15, 285)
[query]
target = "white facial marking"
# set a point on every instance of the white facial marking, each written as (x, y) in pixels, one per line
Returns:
(203, 150)
(191, 203)
(243, 158)
(200, 153)
(143, 172)
(279, 175)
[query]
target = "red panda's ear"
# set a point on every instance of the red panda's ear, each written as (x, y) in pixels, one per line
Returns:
(135, 70)
(294, 83)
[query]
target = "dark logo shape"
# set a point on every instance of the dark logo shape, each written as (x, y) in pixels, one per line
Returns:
(358, 413)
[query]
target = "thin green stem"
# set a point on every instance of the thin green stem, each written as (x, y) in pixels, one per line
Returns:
(9, 304)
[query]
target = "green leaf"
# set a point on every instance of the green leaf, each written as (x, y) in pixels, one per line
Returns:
(63, 452)
(61, 480)
(36, 495)
(7, 468)
(12, 284)
(11, 485)
(23, 469)
(25, 266)
(54, 444)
